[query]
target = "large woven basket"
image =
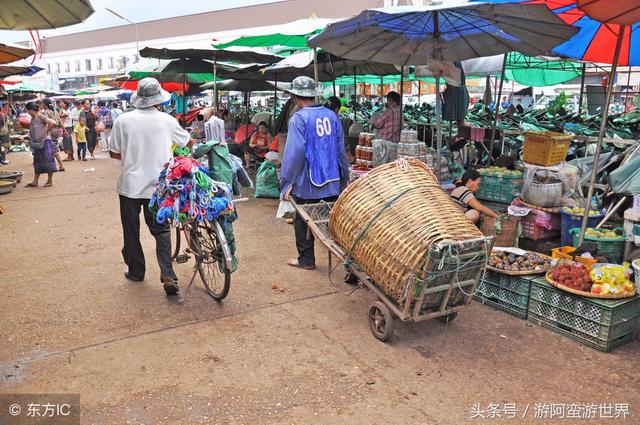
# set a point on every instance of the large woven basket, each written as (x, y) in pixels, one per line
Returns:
(508, 232)
(543, 194)
(389, 218)
(545, 147)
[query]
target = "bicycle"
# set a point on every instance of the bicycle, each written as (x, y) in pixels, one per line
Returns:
(213, 260)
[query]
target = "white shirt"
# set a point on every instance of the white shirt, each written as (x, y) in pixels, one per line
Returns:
(143, 138)
(74, 116)
(66, 120)
(214, 129)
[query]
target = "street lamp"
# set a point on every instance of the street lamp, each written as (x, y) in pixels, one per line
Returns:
(131, 22)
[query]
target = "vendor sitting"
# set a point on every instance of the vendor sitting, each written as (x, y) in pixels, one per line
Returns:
(258, 143)
(463, 195)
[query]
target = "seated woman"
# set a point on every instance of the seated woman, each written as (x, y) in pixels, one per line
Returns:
(463, 195)
(258, 144)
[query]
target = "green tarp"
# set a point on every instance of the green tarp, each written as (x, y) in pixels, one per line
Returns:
(298, 41)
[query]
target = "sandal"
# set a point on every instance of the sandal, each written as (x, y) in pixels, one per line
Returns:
(30, 185)
(294, 263)
(61, 169)
(48, 185)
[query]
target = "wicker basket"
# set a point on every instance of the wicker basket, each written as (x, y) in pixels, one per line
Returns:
(508, 229)
(543, 194)
(545, 147)
(389, 219)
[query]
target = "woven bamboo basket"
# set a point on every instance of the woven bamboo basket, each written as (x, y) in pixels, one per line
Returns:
(389, 218)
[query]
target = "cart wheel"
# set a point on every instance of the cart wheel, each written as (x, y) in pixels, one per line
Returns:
(448, 318)
(380, 321)
(349, 277)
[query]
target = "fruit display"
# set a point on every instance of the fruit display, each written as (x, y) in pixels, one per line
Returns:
(510, 262)
(573, 275)
(580, 211)
(500, 171)
(612, 280)
(603, 233)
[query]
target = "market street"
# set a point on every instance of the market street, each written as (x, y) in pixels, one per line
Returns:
(301, 355)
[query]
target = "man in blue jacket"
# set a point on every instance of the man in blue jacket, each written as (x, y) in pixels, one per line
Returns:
(314, 164)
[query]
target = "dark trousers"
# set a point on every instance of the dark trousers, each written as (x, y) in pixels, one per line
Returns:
(304, 238)
(132, 249)
(82, 150)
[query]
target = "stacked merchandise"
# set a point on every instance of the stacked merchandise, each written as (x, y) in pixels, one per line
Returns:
(384, 152)
(185, 192)
(364, 151)
(410, 148)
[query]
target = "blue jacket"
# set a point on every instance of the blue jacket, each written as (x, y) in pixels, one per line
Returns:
(314, 161)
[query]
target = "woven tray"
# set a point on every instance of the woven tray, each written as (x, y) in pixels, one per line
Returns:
(587, 294)
(523, 273)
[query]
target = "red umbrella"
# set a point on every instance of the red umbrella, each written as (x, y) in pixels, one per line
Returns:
(170, 87)
(623, 12)
(244, 132)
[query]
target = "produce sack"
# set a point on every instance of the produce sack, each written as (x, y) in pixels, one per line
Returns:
(267, 184)
(388, 220)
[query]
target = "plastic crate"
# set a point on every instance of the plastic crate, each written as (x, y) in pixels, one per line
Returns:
(499, 187)
(600, 324)
(546, 147)
(613, 247)
(539, 225)
(570, 221)
(506, 293)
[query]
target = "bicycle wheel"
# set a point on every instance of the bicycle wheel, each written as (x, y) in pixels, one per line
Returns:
(175, 242)
(211, 244)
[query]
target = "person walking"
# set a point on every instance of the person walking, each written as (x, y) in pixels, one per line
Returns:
(115, 110)
(105, 117)
(142, 140)
(90, 120)
(314, 164)
(80, 131)
(67, 129)
(55, 132)
(44, 161)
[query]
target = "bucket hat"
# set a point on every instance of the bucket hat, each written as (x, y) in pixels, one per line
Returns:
(149, 93)
(304, 87)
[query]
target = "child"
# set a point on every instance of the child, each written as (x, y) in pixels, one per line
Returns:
(81, 138)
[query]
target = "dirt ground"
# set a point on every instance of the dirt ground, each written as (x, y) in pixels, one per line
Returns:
(304, 355)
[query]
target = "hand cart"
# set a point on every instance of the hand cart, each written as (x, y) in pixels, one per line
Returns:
(443, 287)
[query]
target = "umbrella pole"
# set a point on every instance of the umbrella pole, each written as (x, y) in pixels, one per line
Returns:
(582, 77)
(315, 66)
(626, 97)
(401, 98)
(438, 129)
(334, 87)
(355, 94)
(381, 86)
(184, 99)
(275, 100)
(215, 86)
(603, 128)
(496, 110)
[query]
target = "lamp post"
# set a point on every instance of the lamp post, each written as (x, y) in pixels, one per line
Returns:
(132, 23)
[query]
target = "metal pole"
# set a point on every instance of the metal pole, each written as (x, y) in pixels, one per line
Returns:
(401, 98)
(582, 78)
(438, 130)
(355, 94)
(315, 65)
(184, 99)
(496, 110)
(275, 101)
(626, 97)
(334, 87)
(603, 128)
(215, 86)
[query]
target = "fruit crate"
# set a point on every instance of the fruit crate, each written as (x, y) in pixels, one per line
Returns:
(499, 187)
(613, 247)
(506, 293)
(570, 221)
(600, 324)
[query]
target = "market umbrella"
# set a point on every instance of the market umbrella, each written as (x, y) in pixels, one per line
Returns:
(11, 53)
(246, 85)
(615, 41)
(42, 14)
(292, 34)
(194, 71)
(6, 70)
(425, 35)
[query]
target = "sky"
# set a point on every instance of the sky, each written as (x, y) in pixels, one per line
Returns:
(134, 10)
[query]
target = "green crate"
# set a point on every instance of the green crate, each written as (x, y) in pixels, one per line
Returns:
(499, 188)
(614, 247)
(600, 324)
(506, 293)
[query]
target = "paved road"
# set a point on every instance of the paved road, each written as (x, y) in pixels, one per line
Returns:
(300, 355)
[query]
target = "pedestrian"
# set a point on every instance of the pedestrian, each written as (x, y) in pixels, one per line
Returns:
(389, 123)
(142, 141)
(91, 120)
(115, 110)
(55, 132)
(67, 129)
(314, 165)
(44, 161)
(5, 141)
(80, 131)
(105, 117)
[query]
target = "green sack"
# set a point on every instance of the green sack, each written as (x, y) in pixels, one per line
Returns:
(220, 168)
(267, 184)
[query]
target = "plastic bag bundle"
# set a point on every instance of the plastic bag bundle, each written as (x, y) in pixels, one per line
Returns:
(185, 191)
